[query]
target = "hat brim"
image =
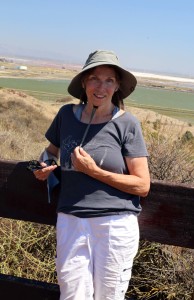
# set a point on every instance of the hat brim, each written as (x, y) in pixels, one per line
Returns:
(127, 84)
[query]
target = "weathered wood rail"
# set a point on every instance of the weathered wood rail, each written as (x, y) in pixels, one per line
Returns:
(167, 218)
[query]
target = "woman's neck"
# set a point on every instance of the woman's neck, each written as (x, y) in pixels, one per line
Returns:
(102, 114)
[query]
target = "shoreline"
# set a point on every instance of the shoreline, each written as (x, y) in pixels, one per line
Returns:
(164, 77)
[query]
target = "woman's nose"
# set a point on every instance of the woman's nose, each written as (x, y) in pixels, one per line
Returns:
(101, 84)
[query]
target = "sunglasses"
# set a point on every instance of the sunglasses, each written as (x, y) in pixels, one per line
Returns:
(34, 165)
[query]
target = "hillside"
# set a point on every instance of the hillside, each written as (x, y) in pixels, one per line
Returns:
(23, 124)
(25, 119)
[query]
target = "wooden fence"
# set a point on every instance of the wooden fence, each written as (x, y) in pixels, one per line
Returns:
(167, 218)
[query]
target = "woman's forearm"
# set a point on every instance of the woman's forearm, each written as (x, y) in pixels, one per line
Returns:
(137, 183)
(131, 184)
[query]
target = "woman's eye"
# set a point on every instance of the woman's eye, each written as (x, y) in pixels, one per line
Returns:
(95, 80)
(110, 80)
(92, 78)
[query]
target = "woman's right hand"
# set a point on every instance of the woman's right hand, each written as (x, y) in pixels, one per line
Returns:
(43, 174)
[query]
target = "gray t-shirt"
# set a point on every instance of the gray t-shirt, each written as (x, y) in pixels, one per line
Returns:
(108, 144)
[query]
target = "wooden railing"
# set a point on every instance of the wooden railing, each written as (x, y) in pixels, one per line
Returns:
(167, 218)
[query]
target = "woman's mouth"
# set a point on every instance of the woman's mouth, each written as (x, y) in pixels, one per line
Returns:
(99, 96)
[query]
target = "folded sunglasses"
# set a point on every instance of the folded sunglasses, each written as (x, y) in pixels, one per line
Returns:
(34, 165)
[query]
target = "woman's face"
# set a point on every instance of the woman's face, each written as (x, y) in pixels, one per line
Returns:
(100, 85)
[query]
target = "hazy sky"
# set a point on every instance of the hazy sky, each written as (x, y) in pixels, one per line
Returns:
(147, 35)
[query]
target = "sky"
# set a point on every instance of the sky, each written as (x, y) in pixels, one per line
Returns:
(147, 35)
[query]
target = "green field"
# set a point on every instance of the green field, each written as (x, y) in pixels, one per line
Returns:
(46, 90)
(171, 103)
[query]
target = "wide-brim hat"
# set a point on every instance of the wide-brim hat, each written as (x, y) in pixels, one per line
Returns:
(98, 58)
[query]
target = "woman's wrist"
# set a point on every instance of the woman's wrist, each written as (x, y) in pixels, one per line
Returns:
(45, 155)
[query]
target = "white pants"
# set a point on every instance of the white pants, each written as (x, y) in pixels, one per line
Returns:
(95, 256)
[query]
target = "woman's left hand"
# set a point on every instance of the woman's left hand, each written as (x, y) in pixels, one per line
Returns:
(82, 161)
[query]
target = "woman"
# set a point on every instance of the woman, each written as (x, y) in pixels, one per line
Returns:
(101, 182)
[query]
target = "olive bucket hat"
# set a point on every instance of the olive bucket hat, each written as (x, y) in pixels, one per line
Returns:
(99, 58)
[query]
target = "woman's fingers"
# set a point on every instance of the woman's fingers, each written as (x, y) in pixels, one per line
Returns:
(81, 160)
(43, 173)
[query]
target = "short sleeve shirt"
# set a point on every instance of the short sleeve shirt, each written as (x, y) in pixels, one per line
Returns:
(108, 144)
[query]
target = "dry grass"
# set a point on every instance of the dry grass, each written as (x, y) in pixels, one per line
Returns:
(162, 272)
(23, 122)
(28, 249)
(150, 117)
(171, 151)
